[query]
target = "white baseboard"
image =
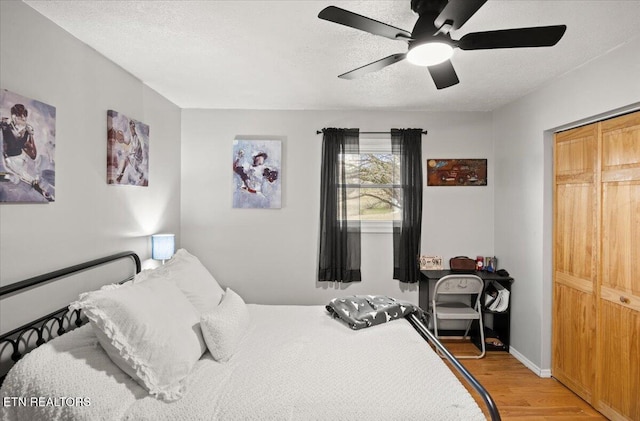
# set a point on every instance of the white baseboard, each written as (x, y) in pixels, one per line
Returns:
(546, 373)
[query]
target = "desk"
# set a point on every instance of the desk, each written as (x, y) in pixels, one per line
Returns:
(497, 325)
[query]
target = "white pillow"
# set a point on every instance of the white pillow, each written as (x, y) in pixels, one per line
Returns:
(224, 327)
(149, 330)
(193, 279)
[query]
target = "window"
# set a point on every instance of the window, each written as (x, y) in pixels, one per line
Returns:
(372, 197)
(359, 188)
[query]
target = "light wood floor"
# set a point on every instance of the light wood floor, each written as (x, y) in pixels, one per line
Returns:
(519, 393)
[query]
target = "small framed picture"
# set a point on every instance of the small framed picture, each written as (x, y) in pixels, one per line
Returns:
(431, 263)
(456, 172)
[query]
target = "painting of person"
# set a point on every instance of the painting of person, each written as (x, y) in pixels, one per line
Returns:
(127, 150)
(27, 135)
(256, 166)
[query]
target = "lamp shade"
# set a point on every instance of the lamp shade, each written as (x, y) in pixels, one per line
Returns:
(162, 246)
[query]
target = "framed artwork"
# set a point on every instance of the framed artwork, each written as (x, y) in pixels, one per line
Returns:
(256, 174)
(456, 172)
(127, 150)
(28, 138)
(431, 263)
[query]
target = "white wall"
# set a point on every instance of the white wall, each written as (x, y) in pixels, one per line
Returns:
(523, 191)
(270, 256)
(89, 219)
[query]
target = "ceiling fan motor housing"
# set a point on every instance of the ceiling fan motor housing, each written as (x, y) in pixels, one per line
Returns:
(428, 6)
(424, 30)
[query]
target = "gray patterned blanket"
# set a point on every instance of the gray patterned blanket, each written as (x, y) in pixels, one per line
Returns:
(360, 311)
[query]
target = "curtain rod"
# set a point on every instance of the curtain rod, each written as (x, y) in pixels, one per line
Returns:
(321, 131)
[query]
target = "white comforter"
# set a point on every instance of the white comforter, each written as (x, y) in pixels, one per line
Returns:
(295, 363)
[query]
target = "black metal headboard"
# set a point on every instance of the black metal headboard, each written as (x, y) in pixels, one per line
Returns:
(20, 339)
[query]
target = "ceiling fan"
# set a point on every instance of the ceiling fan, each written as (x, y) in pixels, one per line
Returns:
(430, 43)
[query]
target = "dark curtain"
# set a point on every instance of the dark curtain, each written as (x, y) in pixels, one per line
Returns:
(339, 258)
(406, 145)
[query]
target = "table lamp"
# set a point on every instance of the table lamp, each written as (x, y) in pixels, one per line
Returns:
(162, 246)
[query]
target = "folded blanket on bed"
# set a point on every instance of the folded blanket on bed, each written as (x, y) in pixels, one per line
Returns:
(360, 311)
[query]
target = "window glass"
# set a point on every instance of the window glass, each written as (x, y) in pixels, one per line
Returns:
(370, 192)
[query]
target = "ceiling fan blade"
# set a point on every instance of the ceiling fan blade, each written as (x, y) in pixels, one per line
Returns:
(542, 36)
(354, 20)
(443, 74)
(458, 12)
(373, 67)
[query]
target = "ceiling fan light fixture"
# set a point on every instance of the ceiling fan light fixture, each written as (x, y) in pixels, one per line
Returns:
(429, 53)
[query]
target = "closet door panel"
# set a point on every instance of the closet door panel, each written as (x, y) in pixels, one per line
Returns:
(575, 232)
(575, 260)
(621, 203)
(618, 372)
(618, 387)
(621, 237)
(574, 340)
(575, 155)
(621, 142)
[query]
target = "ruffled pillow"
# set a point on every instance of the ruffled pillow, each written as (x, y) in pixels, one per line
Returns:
(193, 279)
(224, 327)
(150, 330)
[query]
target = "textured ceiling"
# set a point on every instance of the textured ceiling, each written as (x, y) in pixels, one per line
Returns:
(279, 55)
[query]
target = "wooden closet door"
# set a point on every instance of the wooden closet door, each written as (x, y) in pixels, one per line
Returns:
(575, 259)
(618, 395)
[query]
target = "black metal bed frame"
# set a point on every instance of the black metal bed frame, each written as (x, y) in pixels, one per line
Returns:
(468, 377)
(19, 338)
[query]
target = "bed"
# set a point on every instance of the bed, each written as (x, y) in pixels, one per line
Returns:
(288, 363)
